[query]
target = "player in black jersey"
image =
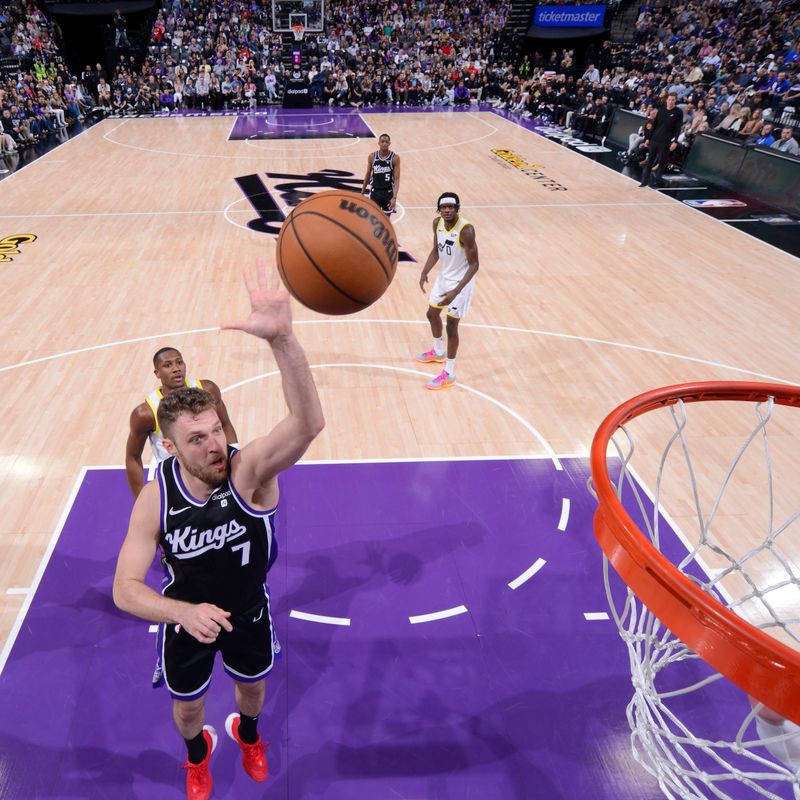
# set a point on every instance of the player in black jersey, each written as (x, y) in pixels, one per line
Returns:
(212, 509)
(383, 175)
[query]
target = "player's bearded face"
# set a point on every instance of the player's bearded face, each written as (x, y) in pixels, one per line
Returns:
(202, 448)
(212, 472)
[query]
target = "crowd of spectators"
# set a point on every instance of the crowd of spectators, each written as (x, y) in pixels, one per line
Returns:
(44, 99)
(733, 65)
(205, 55)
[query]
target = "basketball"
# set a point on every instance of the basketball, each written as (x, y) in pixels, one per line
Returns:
(337, 252)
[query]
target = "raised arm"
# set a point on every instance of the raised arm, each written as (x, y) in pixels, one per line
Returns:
(433, 257)
(259, 463)
(142, 425)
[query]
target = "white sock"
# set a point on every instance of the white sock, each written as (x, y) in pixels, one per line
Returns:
(438, 347)
(450, 366)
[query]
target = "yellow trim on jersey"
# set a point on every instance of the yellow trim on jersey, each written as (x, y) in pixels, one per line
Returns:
(190, 383)
(459, 226)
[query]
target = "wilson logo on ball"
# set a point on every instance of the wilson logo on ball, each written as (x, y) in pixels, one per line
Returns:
(379, 229)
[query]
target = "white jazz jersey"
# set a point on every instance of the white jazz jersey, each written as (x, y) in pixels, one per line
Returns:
(453, 266)
(156, 437)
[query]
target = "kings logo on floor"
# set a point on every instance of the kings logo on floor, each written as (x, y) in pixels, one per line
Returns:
(292, 189)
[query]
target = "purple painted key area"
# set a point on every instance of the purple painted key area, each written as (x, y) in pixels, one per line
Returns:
(293, 124)
(519, 697)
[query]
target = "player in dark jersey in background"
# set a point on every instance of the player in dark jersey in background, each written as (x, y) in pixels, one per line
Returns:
(383, 175)
(211, 509)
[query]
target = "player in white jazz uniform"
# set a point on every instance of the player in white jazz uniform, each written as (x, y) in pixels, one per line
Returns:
(454, 246)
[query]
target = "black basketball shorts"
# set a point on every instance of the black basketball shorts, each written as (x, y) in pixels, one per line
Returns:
(184, 664)
(382, 197)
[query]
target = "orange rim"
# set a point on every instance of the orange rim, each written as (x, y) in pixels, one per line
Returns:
(759, 664)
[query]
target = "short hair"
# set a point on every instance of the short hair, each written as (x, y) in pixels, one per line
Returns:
(190, 400)
(443, 195)
(161, 352)
(386, 135)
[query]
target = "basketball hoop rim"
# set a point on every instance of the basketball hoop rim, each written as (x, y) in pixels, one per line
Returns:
(762, 666)
(298, 31)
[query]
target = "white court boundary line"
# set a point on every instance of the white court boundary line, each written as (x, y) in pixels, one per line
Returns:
(680, 203)
(434, 615)
(390, 368)
(51, 546)
(30, 591)
(251, 211)
(564, 520)
(314, 462)
(320, 152)
(233, 125)
(328, 121)
(39, 159)
(371, 129)
(413, 459)
(102, 347)
(321, 618)
(478, 325)
(312, 151)
(528, 574)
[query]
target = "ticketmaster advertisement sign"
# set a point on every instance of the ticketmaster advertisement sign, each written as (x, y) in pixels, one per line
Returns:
(570, 16)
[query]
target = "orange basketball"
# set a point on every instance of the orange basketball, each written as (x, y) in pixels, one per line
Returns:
(337, 252)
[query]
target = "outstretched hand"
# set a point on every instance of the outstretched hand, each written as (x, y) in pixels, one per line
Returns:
(270, 313)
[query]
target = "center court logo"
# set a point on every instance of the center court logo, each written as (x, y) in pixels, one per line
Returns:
(531, 170)
(292, 190)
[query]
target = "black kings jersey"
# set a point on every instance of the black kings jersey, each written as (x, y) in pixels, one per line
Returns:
(217, 551)
(383, 172)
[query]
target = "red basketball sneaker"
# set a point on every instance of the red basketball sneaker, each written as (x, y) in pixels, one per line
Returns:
(254, 759)
(199, 782)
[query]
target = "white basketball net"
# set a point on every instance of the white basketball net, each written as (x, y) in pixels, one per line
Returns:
(298, 31)
(677, 733)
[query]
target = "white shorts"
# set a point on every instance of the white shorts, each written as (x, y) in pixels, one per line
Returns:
(459, 307)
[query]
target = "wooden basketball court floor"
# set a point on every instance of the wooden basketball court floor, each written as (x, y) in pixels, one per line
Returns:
(590, 290)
